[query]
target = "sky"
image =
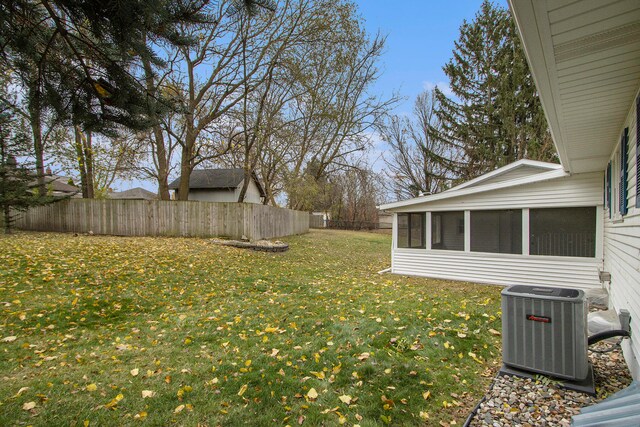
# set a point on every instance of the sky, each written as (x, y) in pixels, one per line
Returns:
(420, 38)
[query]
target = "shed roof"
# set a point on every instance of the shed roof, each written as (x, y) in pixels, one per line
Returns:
(534, 171)
(136, 193)
(217, 179)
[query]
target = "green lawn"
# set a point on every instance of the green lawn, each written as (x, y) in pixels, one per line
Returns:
(214, 335)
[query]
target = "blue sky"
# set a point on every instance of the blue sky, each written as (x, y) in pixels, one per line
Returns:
(420, 39)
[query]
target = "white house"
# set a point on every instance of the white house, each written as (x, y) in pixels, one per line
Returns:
(526, 221)
(585, 59)
(220, 185)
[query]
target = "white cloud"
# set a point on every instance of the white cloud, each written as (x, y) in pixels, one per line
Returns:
(443, 86)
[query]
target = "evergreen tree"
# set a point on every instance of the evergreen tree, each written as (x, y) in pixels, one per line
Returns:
(81, 57)
(494, 116)
(18, 187)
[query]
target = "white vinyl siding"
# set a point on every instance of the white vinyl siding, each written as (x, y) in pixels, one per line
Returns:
(509, 269)
(521, 172)
(501, 269)
(622, 251)
(575, 190)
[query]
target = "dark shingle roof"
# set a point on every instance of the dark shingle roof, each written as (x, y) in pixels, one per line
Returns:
(134, 193)
(215, 179)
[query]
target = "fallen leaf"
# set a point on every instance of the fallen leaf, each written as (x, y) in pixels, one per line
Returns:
(242, 390)
(148, 393)
(91, 387)
(494, 332)
(9, 339)
(312, 394)
(178, 409)
(345, 399)
(114, 401)
(134, 372)
(29, 406)
(140, 416)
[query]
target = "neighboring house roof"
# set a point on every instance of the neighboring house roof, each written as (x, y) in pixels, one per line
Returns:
(137, 193)
(584, 59)
(533, 171)
(59, 184)
(217, 179)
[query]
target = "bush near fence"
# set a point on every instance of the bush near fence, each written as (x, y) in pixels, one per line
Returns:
(165, 218)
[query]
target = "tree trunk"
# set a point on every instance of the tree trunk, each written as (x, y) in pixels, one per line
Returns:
(85, 162)
(158, 143)
(163, 164)
(185, 168)
(7, 220)
(80, 157)
(88, 155)
(38, 149)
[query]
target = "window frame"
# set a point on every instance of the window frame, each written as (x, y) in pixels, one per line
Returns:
(532, 212)
(499, 211)
(423, 237)
(437, 237)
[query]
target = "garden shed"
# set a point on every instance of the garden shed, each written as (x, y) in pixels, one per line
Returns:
(527, 222)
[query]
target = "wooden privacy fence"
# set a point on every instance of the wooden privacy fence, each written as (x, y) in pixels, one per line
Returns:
(165, 218)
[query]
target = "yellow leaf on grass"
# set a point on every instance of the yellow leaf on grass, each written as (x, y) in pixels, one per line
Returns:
(134, 372)
(140, 416)
(312, 393)
(426, 395)
(29, 406)
(148, 393)
(114, 401)
(91, 387)
(319, 375)
(178, 409)
(345, 399)
(242, 389)
(9, 339)
(494, 332)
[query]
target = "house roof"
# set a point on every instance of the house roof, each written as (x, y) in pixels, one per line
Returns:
(585, 60)
(58, 184)
(136, 193)
(217, 179)
(533, 171)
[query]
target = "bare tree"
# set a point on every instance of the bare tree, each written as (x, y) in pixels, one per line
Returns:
(418, 163)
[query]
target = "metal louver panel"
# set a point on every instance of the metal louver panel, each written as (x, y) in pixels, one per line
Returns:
(544, 331)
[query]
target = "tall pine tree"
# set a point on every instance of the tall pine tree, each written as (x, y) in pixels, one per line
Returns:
(494, 116)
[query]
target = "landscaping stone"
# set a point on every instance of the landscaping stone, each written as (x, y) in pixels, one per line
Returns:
(259, 245)
(514, 401)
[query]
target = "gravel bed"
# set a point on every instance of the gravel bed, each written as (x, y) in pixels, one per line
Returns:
(513, 401)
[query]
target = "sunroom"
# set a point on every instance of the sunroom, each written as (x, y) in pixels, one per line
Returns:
(528, 222)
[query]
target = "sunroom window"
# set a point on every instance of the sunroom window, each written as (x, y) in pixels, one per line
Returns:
(411, 230)
(497, 231)
(563, 232)
(447, 230)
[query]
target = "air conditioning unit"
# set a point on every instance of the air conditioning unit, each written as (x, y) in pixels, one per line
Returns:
(544, 330)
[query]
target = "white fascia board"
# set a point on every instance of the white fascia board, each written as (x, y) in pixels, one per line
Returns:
(545, 176)
(534, 28)
(505, 169)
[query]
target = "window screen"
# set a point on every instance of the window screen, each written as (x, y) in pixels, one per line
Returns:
(411, 231)
(496, 231)
(563, 232)
(447, 231)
